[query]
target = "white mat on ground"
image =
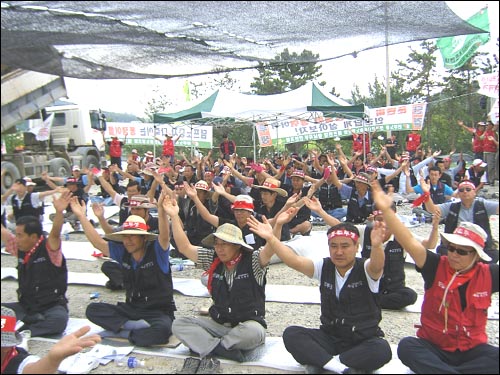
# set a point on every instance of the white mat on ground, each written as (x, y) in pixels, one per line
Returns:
(274, 293)
(76, 250)
(272, 354)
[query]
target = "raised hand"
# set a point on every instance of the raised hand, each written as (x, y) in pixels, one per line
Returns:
(287, 215)
(263, 229)
(98, 209)
(378, 233)
(62, 202)
(190, 190)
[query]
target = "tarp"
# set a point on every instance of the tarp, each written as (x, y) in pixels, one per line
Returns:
(163, 39)
(302, 103)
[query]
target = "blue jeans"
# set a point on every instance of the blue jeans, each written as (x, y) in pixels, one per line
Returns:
(337, 213)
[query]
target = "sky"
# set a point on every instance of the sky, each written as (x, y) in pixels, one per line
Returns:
(132, 96)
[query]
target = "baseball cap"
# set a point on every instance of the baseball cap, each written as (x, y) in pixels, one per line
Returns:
(479, 162)
(76, 168)
(134, 151)
(29, 181)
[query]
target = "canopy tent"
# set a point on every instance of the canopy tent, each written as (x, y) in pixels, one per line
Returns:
(304, 103)
(164, 39)
(278, 119)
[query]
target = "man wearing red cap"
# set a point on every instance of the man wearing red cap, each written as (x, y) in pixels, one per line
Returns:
(458, 287)
(470, 209)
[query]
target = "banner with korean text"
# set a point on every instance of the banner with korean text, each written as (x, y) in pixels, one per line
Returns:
(393, 118)
(144, 133)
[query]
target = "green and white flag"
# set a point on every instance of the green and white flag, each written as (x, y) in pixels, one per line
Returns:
(457, 50)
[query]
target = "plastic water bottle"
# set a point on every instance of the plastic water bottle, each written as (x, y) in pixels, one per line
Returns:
(65, 234)
(414, 219)
(130, 362)
(422, 219)
(177, 267)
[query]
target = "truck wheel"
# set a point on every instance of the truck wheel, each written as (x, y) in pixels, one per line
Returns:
(91, 162)
(60, 167)
(10, 173)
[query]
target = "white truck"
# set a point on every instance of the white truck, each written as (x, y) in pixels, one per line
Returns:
(73, 133)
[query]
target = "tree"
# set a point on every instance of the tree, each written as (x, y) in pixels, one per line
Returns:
(280, 76)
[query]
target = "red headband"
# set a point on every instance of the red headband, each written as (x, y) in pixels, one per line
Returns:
(135, 225)
(467, 183)
(135, 203)
(470, 235)
(268, 184)
(242, 205)
(8, 324)
(343, 233)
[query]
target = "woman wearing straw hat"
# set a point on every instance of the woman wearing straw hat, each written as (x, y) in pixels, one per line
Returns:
(236, 281)
(146, 317)
(458, 288)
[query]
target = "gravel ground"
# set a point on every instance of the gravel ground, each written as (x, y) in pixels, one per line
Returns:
(278, 315)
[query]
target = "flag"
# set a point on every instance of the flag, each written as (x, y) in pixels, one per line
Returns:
(187, 92)
(42, 131)
(457, 50)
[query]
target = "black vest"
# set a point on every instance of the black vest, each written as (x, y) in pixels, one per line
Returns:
(147, 286)
(42, 285)
(437, 195)
(196, 227)
(246, 299)
(124, 212)
(394, 266)
(355, 315)
(26, 207)
(329, 197)
(480, 218)
(475, 177)
(356, 214)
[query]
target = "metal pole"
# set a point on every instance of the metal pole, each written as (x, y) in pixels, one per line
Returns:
(387, 70)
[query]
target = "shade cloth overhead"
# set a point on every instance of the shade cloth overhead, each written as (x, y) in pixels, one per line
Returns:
(300, 104)
(153, 39)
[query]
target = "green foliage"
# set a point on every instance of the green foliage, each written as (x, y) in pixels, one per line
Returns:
(280, 76)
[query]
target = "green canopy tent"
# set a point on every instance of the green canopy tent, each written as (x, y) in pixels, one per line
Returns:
(226, 107)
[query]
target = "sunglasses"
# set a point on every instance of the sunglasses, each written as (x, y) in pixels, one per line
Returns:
(460, 251)
(461, 190)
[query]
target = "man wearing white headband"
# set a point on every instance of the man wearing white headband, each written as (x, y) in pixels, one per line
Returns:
(349, 336)
(470, 209)
(452, 337)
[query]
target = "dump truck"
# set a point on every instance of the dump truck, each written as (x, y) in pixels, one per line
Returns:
(56, 137)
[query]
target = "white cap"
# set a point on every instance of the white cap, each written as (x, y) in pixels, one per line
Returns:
(29, 181)
(76, 168)
(479, 162)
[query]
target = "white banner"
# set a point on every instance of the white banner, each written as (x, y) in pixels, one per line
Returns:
(144, 133)
(493, 115)
(42, 132)
(488, 84)
(317, 127)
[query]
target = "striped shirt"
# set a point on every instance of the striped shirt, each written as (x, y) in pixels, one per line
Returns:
(206, 256)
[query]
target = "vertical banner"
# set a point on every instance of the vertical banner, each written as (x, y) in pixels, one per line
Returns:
(457, 50)
(264, 134)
